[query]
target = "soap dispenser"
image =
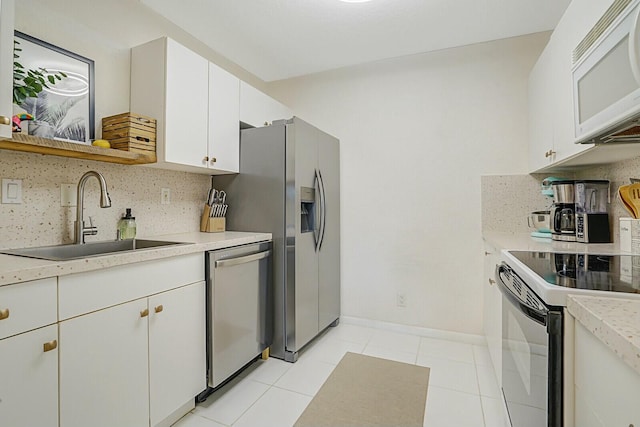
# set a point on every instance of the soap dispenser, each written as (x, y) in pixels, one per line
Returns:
(127, 226)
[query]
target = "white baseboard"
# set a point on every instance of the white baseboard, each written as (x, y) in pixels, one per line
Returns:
(416, 330)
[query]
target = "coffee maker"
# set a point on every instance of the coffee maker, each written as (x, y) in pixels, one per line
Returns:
(592, 211)
(563, 225)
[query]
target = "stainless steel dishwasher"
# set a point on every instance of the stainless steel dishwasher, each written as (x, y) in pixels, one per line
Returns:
(239, 308)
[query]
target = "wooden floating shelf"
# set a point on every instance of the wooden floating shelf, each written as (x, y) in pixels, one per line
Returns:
(34, 144)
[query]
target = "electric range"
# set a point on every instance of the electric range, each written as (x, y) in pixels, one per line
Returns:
(535, 286)
(554, 275)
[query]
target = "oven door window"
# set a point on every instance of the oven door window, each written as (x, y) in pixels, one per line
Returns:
(525, 349)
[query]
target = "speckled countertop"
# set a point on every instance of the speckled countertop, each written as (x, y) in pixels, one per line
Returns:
(524, 241)
(614, 321)
(14, 269)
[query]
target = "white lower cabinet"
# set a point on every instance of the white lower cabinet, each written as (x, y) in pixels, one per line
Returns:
(606, 388)
(177, 353)
(29, 354)
(103, 368)
(132, 343)
(492, 312)
(29, 379)
(134, 364)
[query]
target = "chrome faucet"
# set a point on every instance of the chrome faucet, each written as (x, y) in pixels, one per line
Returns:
(105, 202)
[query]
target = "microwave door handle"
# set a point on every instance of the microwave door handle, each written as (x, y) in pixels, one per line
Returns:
(634, 47)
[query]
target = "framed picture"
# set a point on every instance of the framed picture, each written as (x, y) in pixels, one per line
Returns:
(65, 110)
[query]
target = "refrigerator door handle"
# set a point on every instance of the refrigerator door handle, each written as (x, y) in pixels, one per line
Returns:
(318, 211)
(323, 210)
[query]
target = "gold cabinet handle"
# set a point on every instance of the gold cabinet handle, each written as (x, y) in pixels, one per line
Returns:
(144, 313)
(4, 314)
(549, 153)
(51, 345)
(4, 120)
(492, 282)
(159, 308)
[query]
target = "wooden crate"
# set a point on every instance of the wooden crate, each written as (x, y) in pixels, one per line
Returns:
(130, 132)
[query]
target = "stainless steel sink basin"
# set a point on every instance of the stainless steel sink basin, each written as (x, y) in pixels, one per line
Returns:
(69, 252)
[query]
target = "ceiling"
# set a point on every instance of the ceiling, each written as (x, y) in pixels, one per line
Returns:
(279, 39)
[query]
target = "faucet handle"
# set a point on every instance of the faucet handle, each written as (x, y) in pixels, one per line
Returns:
(91, 230)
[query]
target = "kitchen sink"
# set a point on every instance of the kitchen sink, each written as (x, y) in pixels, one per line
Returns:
(77, 251)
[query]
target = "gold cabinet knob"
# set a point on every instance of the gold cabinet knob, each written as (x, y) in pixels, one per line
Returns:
(266, 123)
(4, 313)
(144, 313)
(492, 282)
(4, 120)
(51, 345)
(206, 159)
(159, 308)
(213, 160)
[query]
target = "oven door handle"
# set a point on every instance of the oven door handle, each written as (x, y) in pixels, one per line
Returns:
(533, 313)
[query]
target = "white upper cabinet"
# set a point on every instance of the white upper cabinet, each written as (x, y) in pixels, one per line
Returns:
(6, 66)
(541, 117)
(224, 120)
(259, 109)
(186, 106)
(187, 95)
(551, 124)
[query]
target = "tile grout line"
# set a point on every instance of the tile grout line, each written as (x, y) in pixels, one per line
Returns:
(484, 418)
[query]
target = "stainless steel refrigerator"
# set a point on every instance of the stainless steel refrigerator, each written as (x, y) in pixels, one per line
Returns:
(289, 185)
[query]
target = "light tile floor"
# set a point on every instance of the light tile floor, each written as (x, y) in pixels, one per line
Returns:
(273, 393)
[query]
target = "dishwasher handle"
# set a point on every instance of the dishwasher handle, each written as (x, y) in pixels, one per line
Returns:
(229, 262)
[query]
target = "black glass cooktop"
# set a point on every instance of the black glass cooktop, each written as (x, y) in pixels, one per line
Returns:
(613, 273)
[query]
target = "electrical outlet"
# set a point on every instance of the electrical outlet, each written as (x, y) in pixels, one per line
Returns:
(165, 196)
(401, 299)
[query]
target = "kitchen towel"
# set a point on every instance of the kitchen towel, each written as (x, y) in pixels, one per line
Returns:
(368, 391)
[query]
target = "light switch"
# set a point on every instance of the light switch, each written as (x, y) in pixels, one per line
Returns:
(12, 191)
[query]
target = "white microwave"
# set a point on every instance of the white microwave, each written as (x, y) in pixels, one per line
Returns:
(606, 78)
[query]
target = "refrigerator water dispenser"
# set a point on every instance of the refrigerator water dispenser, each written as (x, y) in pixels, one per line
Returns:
(307, 209)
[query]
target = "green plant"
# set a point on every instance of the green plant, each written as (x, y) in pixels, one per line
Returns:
(29, 83)
(56, 116)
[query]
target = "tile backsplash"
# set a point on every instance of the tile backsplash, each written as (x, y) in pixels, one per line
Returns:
(618, 174)
(508, 199)
(40, 220)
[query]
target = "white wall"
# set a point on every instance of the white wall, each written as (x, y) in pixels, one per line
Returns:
(416, 134)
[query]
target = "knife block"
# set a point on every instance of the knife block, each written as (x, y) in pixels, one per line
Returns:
(211, 224)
